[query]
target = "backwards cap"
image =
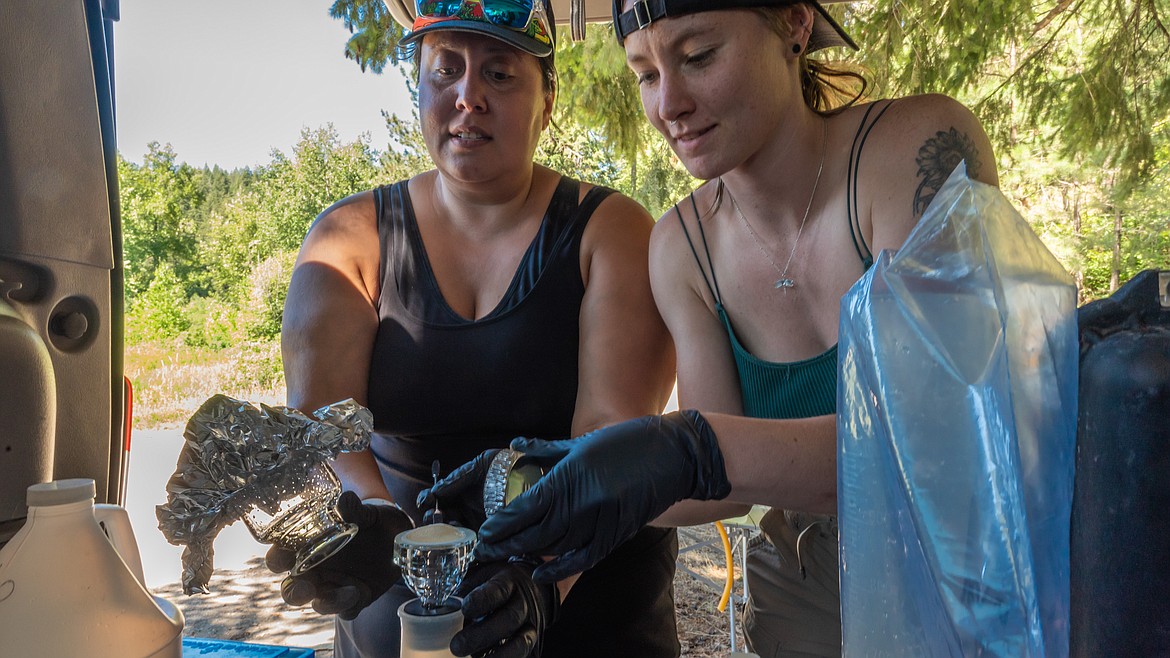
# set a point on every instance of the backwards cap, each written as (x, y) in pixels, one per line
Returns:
(826, 32)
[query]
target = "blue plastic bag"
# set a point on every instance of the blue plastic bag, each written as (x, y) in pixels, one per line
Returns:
(956, 435)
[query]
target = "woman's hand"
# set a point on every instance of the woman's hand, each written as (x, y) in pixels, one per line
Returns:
(505, 611)
(359, 573)
(459, 496)
(606, 486)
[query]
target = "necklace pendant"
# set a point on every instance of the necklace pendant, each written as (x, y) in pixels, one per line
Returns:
(784, 283)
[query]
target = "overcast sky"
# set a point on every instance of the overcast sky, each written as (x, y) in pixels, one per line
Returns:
(226, 81)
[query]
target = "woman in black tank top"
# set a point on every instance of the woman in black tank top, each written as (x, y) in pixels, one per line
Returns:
(483, 300)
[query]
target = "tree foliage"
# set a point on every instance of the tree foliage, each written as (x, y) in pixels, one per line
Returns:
(1074, 93)
(273, 213)
(1093, 73)
(406, 154)
(159, 202)
(1093, 70)
(375, 33)
(158, 312)
(598, 90)
(208, 248)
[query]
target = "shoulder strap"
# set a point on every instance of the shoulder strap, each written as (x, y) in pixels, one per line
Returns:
(391, 207)
(557, 243)
(593, 198)
(854, 216)
(404, 268)
(698, 220)
(567, 217)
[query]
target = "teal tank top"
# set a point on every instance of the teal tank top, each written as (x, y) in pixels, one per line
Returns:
(796, 389)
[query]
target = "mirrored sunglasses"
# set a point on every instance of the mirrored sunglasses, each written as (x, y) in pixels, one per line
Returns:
(512, 14)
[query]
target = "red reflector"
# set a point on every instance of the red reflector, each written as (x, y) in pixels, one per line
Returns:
(127, 415)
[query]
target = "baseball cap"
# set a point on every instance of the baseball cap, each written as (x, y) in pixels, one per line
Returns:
(502, 19)
(826, 32)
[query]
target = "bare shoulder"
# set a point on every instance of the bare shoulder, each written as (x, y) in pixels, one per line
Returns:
(680, 222)
(667, 274)
(927, 137)
(617, 216)
(618, 230)
(674, 274)
(909, 152)
(669, 238)
(667, 230)
(347, 221)
(344, 237)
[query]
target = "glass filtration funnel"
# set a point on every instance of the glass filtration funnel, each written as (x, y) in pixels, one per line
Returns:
(301, 516)
(433, 560)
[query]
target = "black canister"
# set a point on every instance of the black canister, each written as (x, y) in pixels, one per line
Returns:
(1120, 543)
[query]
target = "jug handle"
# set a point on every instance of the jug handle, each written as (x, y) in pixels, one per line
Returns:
(116, 523)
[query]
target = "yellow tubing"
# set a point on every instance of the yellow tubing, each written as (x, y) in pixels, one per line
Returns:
(730, 566)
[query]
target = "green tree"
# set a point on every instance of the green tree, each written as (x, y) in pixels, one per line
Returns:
(375, 34)
(599, 93)
(159, 200)
(320, 171)
(406, 155)
(272, 215)
(157, 313)
(598, 90)
(219, 186)
(1092, 71)
(263, 309)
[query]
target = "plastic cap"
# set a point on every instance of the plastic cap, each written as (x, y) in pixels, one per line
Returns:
(61, 492)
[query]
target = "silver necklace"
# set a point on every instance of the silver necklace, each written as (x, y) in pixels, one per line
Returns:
(784, 281)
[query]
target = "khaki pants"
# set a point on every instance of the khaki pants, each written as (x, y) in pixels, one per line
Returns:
(788, 616)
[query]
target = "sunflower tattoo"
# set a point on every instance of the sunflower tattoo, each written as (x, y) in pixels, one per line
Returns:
(937, 158)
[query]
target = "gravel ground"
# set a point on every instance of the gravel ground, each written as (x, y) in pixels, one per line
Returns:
(245, 606)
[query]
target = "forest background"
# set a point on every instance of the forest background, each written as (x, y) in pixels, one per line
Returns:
(1075, 95)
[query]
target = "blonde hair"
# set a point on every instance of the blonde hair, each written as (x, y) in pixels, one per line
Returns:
(828, 88)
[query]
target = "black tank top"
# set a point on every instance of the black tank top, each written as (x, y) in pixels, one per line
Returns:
(447, 388)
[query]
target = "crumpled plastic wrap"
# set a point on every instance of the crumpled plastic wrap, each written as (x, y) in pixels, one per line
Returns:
(956, 437)
(235, 456)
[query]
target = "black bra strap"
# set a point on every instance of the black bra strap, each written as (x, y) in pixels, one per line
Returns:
(714, 291)
(855, 233)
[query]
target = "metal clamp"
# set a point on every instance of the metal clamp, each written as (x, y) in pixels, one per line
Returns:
(644, 17)
(495, 482)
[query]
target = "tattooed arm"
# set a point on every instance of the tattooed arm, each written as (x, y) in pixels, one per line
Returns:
(913, 151)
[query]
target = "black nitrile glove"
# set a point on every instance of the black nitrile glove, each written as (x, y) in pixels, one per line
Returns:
(460, 494)
(505, 612)
(359, 573)
(606, 486)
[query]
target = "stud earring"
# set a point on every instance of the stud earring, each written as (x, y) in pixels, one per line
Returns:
(796, 48)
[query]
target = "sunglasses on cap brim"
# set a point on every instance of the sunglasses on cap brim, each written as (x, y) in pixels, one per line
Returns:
(512, 14)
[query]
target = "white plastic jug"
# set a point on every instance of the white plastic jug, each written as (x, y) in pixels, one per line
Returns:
(66, 591)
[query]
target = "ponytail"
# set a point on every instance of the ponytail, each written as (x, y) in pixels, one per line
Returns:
(827, 88)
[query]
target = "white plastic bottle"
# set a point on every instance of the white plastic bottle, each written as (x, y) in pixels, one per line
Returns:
(66, 591)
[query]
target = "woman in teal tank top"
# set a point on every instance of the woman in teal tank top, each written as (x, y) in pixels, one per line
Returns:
(793, 606)
(803, 182)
